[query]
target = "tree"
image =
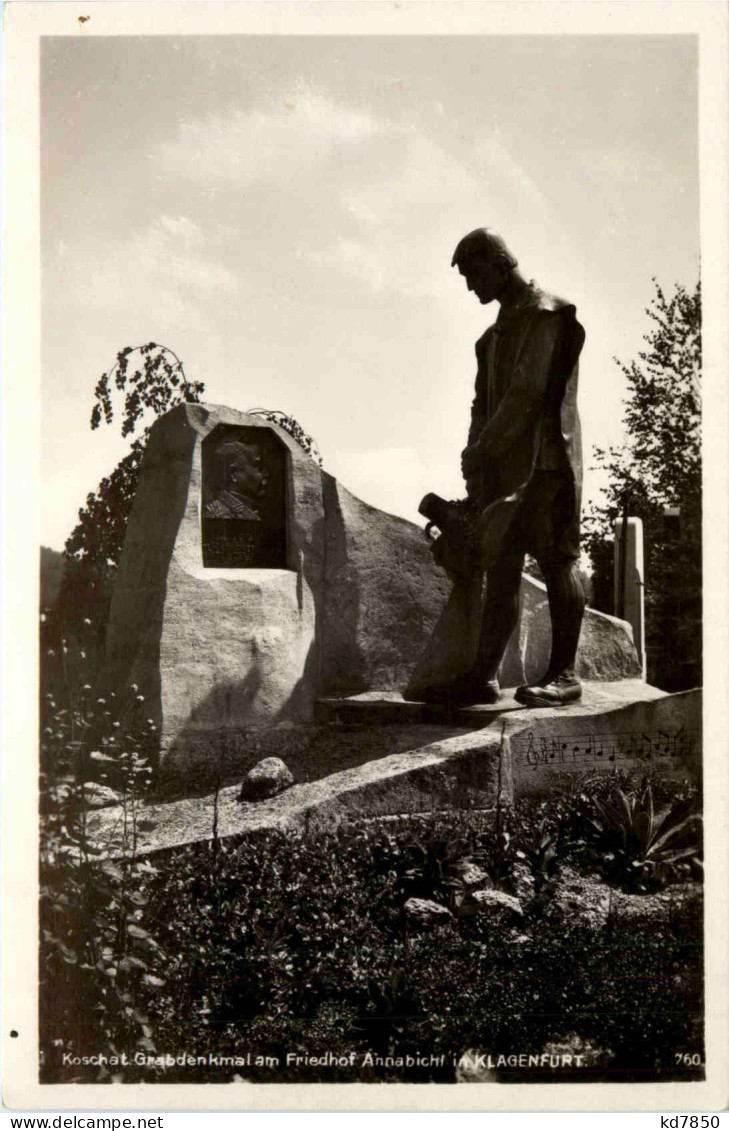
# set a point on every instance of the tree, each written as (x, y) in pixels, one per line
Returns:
(657, 467)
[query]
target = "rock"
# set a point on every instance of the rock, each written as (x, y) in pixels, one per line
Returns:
(217, 641)
(426, 912)
(606, 650)
(470, 874)
(98, 796)
(497, 905)
(589, 901)
(383, 595)
(266, 779)
(523, 881)
(229, 629)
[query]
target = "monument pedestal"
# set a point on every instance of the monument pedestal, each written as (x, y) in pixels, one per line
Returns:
(625, 725)
(484, 758)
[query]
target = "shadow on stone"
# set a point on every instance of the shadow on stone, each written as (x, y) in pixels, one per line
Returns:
(344, 667)
(451, 649)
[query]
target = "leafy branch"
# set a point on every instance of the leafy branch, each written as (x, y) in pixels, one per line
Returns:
(307, 442)
(159, 385)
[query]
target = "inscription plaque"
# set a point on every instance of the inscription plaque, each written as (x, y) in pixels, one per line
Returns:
(243, 499)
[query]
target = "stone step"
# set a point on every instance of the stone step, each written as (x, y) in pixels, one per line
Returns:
(380, 708)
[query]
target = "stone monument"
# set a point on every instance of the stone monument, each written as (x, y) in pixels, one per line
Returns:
(252, 583)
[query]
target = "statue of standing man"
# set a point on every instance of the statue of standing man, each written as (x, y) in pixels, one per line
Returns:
(522, 463)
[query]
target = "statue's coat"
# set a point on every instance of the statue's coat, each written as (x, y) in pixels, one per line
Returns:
(524, 415)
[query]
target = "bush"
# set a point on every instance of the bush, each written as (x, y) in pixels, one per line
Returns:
(298, 943)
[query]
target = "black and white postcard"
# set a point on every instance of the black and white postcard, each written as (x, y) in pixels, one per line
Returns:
(365, 413)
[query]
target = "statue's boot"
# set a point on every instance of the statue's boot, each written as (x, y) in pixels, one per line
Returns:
(552, 691)
(464, 690)
(560, 684)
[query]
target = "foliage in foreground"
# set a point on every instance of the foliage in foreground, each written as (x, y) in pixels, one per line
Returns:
(640, 834)
(97, 958)
(641, 845)
(300, 944)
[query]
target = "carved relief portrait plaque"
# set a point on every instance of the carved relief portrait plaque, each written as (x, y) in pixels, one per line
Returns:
(243, 506)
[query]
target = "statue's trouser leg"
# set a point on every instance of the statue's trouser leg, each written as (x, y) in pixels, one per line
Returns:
(566, 609)
(500, 612)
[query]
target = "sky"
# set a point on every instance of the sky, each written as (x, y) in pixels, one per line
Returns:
(282, 212)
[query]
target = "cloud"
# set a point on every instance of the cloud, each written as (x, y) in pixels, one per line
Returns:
(375, 201)
(292, 135)
(494, 162)
(406, 220)
(170, 267)
(354, 258)
(180, 228)
(177, 254)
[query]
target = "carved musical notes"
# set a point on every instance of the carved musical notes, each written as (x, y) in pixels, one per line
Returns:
(600, 749)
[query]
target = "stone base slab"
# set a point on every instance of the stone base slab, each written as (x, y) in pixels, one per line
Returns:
(499, 756)
(458, 772)
(378, 708)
